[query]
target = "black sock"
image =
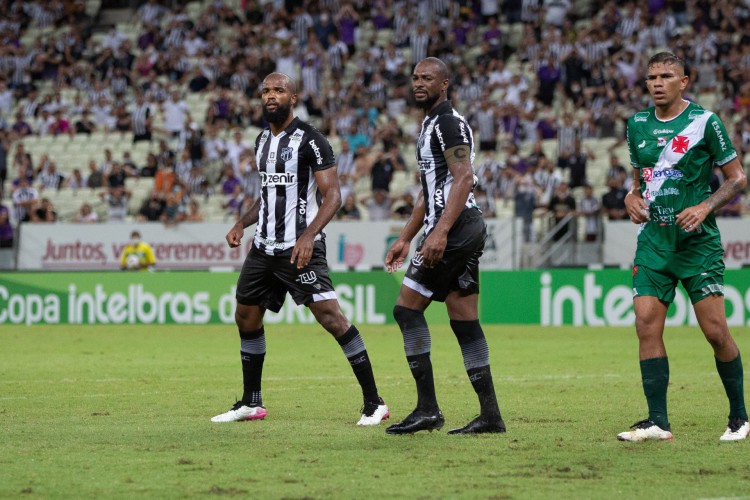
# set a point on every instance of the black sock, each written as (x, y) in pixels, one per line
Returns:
(252, 354)
(421, 369)
(354, 349)
(476, 356)
(481, 380)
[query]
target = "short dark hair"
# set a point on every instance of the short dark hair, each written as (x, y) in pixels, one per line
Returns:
(666, 58)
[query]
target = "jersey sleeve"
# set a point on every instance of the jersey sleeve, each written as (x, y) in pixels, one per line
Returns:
(451, 131)
(717, 140)
(630, 135)
(318, 152)
(149, 255)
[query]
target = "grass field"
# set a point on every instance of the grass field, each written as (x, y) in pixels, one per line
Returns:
(123, 412)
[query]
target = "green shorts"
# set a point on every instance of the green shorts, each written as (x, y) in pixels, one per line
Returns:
(662, 284)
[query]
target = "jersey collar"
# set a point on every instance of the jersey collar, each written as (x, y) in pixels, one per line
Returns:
(441, 108)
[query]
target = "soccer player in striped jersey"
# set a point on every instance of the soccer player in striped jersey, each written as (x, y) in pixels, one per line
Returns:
(446, 265)
(299, 196)
(673, 147)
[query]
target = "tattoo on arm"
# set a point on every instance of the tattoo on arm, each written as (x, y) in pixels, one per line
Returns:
(457, 154)
(724, 194)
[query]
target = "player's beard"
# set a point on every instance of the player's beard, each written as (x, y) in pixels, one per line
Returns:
(428, 102)
(278, 115)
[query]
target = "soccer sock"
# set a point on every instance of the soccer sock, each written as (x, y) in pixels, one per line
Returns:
(476, 356)
(731, 374)
(417, 345)
(354, 349)
(655, 377)
(252, 354)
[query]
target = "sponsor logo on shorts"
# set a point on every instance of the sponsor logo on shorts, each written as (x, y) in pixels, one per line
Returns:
(308, 278)
(417, 260)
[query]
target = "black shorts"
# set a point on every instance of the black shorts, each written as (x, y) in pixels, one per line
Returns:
(265, 279)
(459, 267)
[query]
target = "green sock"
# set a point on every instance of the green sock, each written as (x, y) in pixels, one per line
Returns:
(731, 374)
(655, 377)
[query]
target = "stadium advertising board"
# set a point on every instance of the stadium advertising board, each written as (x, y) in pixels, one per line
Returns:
(620, 240)
(350, 245)
(545, 298)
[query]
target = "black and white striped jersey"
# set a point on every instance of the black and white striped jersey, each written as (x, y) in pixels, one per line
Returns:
(442, 129)
(289, 196)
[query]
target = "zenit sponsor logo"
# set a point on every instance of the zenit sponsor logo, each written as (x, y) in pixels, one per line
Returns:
(270, 180)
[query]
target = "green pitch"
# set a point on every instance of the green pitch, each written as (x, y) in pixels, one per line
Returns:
(123, 412)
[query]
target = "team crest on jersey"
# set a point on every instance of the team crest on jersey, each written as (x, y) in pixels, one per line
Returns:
(680, 144)
(661, 141)
(286, 154)
(641, 117)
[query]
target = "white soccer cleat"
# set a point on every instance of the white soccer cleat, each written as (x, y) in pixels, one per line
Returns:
(240, 412)
(374, 413)
(737, 429)
(645, 430)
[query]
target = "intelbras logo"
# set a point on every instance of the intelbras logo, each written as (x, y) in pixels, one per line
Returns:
(285, 179)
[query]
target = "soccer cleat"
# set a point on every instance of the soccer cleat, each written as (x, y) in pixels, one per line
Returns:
(241, 412)
(418, 420)
(645, 430)
(374, 412)
(481, 426)
(737, 429)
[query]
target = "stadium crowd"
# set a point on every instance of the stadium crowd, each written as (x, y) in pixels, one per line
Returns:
(546, 84)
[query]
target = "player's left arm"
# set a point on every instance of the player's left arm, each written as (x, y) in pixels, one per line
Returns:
(734, 183)
(459, 163)
(328, 184)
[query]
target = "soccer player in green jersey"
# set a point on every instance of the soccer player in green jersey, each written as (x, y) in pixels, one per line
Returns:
(673, 148)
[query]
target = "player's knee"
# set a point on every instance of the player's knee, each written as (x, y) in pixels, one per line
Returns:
(467, 331)
(406, 317)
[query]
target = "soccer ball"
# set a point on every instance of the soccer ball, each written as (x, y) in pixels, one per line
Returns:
(132, 261)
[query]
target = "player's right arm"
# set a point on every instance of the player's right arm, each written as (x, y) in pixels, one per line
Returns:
(396, 255)
(635, 205)
(234, 236)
